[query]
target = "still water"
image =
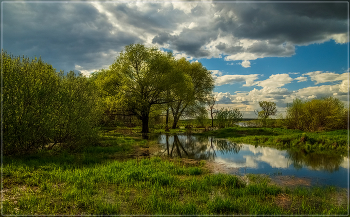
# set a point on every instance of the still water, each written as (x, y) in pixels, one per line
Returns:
(244, 158)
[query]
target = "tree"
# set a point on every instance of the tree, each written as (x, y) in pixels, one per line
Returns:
(317, 114)
(144, 75)
(42, 108)
(192, 93)
(211, 103)
(228, 117)
(268, 109)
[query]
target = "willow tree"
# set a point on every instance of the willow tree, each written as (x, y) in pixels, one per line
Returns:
(198, 84)
(144, 76)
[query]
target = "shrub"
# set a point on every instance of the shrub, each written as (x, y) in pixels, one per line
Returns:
(42, 108)
(228, 117)
(317, 114)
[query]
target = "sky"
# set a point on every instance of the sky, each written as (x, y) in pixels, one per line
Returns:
(256, 51)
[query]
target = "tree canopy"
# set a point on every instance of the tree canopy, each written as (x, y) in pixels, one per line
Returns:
(197, 85)
(139, 79)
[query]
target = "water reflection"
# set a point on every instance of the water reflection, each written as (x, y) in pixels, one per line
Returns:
(196, 147)
(257, 159)
(325, 162)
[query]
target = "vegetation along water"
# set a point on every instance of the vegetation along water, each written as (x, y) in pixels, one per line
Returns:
(145, 137)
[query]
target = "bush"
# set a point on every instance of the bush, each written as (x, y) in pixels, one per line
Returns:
(42, 108)
(228, 117)
(317, 114)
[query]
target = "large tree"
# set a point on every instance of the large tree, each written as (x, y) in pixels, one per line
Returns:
(142, 76)
(198, 84)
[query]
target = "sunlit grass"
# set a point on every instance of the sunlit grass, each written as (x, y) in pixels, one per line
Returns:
(104, 180)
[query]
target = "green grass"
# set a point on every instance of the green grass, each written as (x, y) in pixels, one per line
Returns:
(105, 180)
(320, 142)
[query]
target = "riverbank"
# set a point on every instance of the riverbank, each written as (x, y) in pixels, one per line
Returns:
(120, 176)
(320, 142)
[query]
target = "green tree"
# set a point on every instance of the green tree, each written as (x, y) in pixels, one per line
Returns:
(42, 108)
(211, 100)
(189, 98)
(317, 114)
(228, 117)
(143, 76)
(268, 109)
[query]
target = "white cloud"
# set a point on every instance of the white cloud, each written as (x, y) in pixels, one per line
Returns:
(245, 64)
(340, 38)
(184, 6)
(192, 25)
(216, 72)
(223, 98)
(320, 77)
(242, 56)
(84, 72)
(274, 81)
(301, 79)
(231, 79)
(180, 55)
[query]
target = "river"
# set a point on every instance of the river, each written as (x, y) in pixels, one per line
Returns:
(321, 169)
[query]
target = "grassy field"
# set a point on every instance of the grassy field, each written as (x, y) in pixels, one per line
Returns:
(116, 177)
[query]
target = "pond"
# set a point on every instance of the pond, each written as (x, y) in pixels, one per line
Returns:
(244, 158)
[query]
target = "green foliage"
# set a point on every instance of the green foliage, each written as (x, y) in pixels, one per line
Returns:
(189, 98)
(317, 114)
(42, 108)
(202, 117)
(228, 117)
(138, 81)
(268, 109)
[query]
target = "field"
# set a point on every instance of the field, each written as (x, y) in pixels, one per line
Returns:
(118, 176)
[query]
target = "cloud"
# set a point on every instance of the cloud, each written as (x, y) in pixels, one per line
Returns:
(274, 81)
(323, 77)
(245, 64)
(223, 98)
(91, 34)
(301, 79)
(181, 55)
(216, 72)
(231, 79)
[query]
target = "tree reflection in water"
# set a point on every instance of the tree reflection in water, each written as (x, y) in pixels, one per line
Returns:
(198, 147)
(316, 161)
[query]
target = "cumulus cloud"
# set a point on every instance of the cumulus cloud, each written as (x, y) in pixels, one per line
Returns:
(245, 64)
(223, 98)
(323, 77)
(301, 79)
(274, 81)
(231, 79)
(272, 90)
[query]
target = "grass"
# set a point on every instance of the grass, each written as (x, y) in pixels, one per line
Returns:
(320, 142)
(107, 179)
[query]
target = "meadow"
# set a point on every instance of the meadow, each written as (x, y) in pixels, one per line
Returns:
(113, 177)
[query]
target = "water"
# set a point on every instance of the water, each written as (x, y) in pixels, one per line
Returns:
(244, 158)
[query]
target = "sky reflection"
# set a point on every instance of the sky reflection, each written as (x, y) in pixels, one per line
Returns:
(332, 169)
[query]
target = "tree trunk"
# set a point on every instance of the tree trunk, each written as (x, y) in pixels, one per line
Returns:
(167, 117)
(212, 120)
(176, 119)
(145, 119)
